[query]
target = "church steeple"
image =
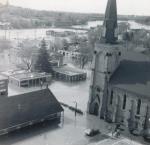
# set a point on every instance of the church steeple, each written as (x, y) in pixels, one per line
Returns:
(110, 23)
(7, 3)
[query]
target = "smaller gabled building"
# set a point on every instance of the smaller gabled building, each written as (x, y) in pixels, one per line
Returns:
(26, 109)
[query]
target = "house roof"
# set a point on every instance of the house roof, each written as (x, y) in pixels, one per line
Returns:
(26, 107)
(3, 78)
(133, 74)
(30, 75)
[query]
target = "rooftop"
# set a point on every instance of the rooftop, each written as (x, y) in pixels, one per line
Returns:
(26, 107)
(133, 74)
(68, 71)
(29, 75)
(2, 78)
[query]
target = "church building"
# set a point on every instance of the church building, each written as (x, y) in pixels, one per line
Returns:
(120, 83)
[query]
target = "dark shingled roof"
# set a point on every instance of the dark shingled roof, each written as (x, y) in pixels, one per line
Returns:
(133, 74)
(26, 107)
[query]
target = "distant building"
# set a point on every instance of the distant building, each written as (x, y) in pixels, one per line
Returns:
(120, 84)
(27, 109)
(29, 79)
(59, 34)
(69, 74)
(70, 54)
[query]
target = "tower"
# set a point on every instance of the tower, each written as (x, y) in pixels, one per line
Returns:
(7, 3)
(106, 59)
(109, 33)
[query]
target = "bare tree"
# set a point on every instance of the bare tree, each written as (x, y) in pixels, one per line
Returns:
(26, 54)
(85, 50)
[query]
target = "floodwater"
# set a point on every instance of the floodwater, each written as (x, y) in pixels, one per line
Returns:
(133, 25)
(31, 33)
(40, 33)
(72, 93)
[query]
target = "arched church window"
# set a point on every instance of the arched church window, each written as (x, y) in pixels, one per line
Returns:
(108, 54)
(124, 102)
(98, 89)
(138, 106)
(119, 53)
(97, 96)
(95, 52)
(111, 97)
(96, 109)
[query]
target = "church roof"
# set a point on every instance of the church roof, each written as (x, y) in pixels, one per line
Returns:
(19, 109)
(133, 74)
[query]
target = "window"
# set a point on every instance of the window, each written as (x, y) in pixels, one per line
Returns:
(119, 53)
(97, 96)
(138, 106)
(111, 97)
(98, 89)
(3, 93)
(124, 102)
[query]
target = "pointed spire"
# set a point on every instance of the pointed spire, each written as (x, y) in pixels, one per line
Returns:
(7, 3)
(110, 22)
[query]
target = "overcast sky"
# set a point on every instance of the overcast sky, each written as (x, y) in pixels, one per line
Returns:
(137, 7)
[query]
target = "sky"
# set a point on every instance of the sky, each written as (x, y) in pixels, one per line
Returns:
(127, 7)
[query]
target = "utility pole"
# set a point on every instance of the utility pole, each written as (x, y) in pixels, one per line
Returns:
(75, 113)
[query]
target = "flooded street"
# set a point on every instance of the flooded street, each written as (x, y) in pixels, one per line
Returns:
(16, 34)
(70, 93)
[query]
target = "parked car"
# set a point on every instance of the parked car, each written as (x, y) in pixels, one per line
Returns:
(146, 134)
(136, 133)
(91, 132)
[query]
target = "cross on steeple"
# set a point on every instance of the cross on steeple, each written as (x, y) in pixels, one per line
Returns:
(110, 23)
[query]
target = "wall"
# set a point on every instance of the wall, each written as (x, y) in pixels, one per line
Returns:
(105, 62)
(117, 113)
